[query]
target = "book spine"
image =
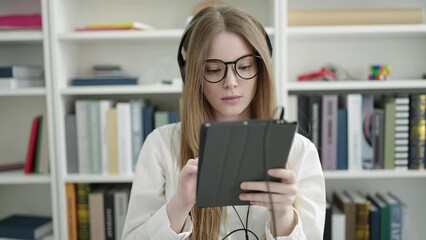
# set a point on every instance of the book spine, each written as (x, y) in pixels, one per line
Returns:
(342, 139)
(402, 128)
(109, 215)
(329, 132)
(121, 198)
(83, 220)
(315, 119)
(389, 134)
(94, 137)
(378, 138)
(417, 153)
(367, 134)
(29, 164)
(81, 111)
(303, 116)
(354, 102)
(71, 198)
(104, 106)
(124, 138)
(112, 141)
(136, 107)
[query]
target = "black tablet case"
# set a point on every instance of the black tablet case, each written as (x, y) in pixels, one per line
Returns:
(232, 152)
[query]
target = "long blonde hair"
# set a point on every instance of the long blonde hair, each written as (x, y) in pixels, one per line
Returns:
(196, 109)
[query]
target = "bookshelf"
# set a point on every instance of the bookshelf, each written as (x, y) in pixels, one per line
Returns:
(355, 47)
(21, 193)
(151, 56)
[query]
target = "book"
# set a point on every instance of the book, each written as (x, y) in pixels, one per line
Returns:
(97, 213)
(378, 138)
(32, 144)
(417, 145)
(104, 106)
(71, 199)
(402, 129)
(13, 83)
(109, 215)
(338, 223)
(367, 131)
(388, 105)
(124, 123)
(303, 116)
(329, 132)
(83, 219)
(385, 215)
(8, 166)
(362, 208)
(43, 155)
(25, 226)
(174, 117)
(116, 26)
(353, 106)
(161, 118)
(81, 113)
(112, 141)
(374, 222)
(21, 21)
(94, 134)
(104, 80)
(121, 199)
(21, 72)
(348, 207)
(355, 17)
(71, 143)
(315, 120)
(395, 215)
(136, 108)
(342, 139)
(148, 120)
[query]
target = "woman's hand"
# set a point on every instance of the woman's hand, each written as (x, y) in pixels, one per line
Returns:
(282, 194)
(182, 202)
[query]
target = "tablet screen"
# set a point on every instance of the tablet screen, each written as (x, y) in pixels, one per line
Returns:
(234, 152)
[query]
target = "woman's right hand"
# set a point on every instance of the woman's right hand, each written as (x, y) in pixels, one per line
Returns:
(182, 202)
(187, 184)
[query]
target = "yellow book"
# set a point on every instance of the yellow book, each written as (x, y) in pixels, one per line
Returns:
(123, 25)
(71, 210)
(112, 141)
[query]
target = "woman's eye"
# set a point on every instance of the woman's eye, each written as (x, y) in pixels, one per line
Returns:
(245, 67)
(213, 71)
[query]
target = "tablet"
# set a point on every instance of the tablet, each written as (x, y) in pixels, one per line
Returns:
(233, 152)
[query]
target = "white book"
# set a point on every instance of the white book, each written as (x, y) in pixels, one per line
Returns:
(124, 138)
(338, 223)
(105, 105)
(12, 83)
(121, 199)
(81, 111)
(354, 108)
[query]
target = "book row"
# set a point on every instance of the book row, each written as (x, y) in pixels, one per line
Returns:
(357, 131)
(21, 76)
(352, 215)
(96, 211)
(105, 137)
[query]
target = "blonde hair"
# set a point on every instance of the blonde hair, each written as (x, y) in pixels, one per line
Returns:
(196, 110)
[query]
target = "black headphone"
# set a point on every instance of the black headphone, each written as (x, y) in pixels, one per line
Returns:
(180, 59)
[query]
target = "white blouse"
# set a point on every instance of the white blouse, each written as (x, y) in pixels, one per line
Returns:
(155, 183)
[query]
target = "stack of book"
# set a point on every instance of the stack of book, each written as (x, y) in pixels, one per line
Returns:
(105, 75)
(37, 160)
(20, 76)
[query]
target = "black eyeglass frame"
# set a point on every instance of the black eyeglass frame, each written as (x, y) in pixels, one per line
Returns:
(257, 57)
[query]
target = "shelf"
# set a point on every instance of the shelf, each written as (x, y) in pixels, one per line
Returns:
(36, 91)
(18, 177)
(80, 178)
(374, 174)
(121, 90)
(160, 34)
(298, 87)
(21, 36)
(358, 31)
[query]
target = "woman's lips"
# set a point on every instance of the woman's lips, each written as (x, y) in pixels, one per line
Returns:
(231, 99)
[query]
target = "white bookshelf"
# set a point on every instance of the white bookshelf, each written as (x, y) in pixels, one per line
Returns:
(21, 193)
(91, 178)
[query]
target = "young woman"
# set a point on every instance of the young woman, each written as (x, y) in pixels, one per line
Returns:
(227, 76)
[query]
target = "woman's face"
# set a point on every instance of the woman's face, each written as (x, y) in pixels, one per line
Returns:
(231, 97)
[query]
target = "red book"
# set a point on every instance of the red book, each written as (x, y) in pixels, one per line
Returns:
(21, 21)
(29, 163)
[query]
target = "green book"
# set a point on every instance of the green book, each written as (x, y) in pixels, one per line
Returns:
(93, 119)
(38, 145)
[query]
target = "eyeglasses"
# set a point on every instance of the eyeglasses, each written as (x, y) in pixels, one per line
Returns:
(246, 68)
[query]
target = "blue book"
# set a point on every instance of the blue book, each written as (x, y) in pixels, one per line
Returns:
(148, 120)
(174, 117)
(97, 81)
(25, 227)
(374, 222)
(342, 139)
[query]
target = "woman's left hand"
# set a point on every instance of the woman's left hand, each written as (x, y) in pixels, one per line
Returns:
(282, 193)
